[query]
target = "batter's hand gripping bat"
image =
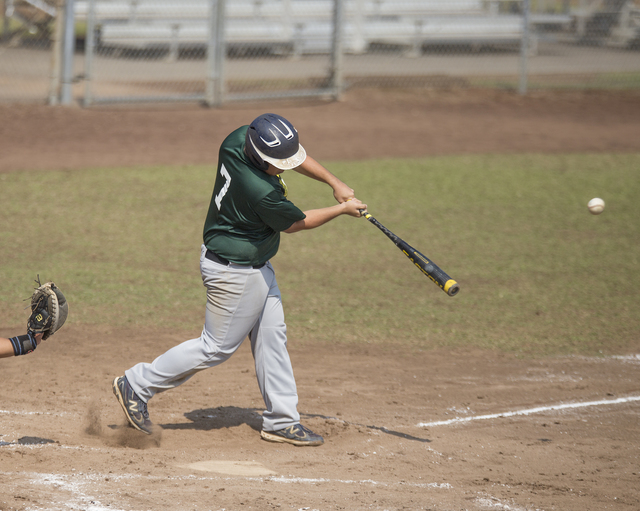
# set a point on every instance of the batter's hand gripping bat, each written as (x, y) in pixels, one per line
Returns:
(429, 268)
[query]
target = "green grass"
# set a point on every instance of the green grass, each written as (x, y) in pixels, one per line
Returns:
(538, 273)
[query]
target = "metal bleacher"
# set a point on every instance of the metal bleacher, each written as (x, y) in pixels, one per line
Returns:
(302, 26)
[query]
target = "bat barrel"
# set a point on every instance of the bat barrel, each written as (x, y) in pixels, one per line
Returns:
(431, 270)
(426, 266)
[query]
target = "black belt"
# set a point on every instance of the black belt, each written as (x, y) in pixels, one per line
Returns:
(212, 256)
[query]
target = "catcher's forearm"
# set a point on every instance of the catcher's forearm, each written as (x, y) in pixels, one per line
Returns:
(6, 348)
(18, 345)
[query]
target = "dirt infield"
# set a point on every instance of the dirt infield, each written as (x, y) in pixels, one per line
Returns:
(368, 124)
(439, 430)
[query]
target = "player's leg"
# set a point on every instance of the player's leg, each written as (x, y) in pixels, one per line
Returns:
(281, 421)
(235, 300)
(273, 366)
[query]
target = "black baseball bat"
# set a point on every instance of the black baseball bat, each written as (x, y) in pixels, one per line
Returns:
(428, 267)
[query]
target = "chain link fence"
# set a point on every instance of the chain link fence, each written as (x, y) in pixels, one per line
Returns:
(218, 51)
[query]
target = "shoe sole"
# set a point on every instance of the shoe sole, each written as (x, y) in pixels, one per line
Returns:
(277, 438)
(116, 391)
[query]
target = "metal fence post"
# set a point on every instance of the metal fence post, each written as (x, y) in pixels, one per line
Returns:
(56, 55)
(215, 54)
(524, 48)
(5, 21)
(89, 50)
(358, 45)
(337, 50)
(68, 52)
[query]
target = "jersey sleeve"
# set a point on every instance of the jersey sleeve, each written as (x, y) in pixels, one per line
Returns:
(277, 212)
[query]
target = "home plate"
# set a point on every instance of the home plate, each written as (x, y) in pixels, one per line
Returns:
(234, 468)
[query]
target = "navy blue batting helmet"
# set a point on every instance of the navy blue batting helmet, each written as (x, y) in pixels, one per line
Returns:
(273, 139)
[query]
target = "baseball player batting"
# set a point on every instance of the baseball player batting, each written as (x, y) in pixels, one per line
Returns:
(248, 211)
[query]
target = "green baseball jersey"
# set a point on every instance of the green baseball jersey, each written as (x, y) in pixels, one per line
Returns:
(248, 207)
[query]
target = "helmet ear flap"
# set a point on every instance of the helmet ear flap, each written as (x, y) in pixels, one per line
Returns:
(251, 153)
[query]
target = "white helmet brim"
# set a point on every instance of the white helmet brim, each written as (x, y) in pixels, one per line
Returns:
(286, 163)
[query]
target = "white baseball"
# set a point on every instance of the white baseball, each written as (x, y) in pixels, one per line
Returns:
(596, 206)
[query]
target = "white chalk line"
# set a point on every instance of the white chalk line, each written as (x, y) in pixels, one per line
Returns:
(289, 480)
(22, 412)
(13, 412)
(75, 481)
(539, 409)
(494, 503)
(628, 358)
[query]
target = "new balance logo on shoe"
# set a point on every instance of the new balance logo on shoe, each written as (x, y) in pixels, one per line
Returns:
(135, 409)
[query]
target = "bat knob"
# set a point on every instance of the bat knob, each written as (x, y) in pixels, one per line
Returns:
(453, 289)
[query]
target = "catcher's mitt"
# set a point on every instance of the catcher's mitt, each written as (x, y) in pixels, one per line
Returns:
(49, 310)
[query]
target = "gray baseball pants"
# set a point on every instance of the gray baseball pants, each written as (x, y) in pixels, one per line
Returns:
(241, 302)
